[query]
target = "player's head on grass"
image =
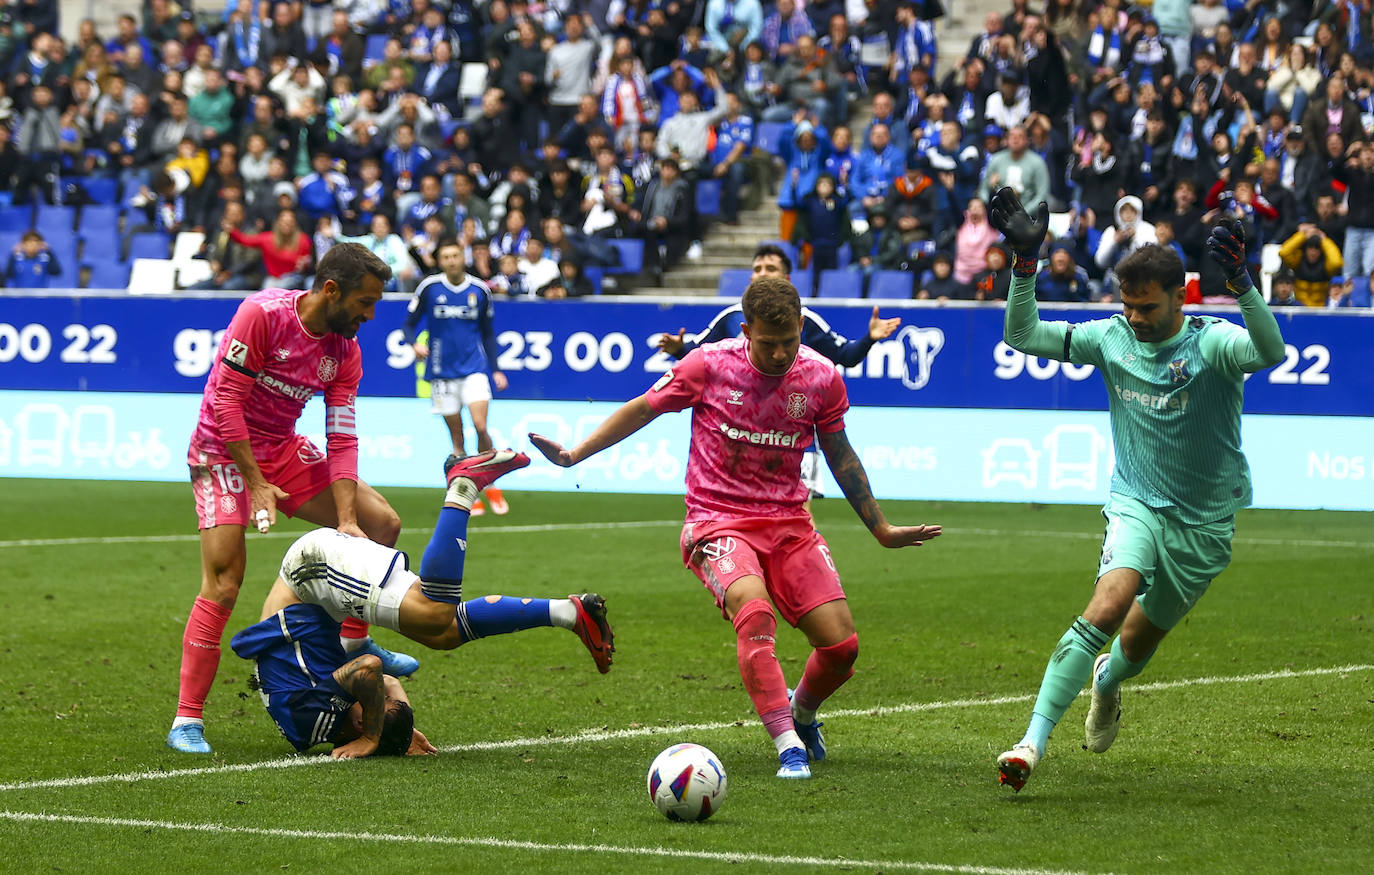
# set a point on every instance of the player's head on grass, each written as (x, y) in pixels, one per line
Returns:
(1152, 292)
(348, 285)
(398, 727)
(771, 260)
(452, 258)
(772, 324)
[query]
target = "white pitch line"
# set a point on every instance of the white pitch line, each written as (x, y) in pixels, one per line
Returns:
(509, 844)
(599, 735)
(651, 524)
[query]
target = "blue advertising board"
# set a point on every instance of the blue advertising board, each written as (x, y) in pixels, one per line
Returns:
(605, 349)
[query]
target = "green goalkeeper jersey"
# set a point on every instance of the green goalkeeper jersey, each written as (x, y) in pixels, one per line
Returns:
(1175, 405)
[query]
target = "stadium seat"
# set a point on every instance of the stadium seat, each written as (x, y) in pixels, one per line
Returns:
(54, 219)
(733, 282)
(1359, 296)
(108, 274)
(65, 250)
(16, 218)
(893, 284)
(8, 240)
(99, 228)
(708, 197)
(375, 49)
(841, 284)
(594, 276)
(768, 135)
(631, 255)
(101, 189)
(150, 244)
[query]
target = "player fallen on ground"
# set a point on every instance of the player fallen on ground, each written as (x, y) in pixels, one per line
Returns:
(460, 356)
(757, 402)
(247, 461)
(771, 260)
(1175, 386)
(316, 693)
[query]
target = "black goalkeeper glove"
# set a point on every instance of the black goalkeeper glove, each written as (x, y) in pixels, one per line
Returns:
(1024, 235)
(1226, 246)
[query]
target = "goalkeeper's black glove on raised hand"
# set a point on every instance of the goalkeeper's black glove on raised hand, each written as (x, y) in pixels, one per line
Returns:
(1226, 246)
(1024, 235)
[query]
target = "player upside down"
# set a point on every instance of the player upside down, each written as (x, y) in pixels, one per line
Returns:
(316, 694)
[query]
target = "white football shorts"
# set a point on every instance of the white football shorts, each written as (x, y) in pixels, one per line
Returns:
(451, 396)
(349, 577)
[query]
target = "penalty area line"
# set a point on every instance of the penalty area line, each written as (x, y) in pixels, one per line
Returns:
(511, 844)
(599, 735)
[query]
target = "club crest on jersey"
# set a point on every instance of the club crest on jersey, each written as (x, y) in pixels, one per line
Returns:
(1178, 371)
(228, 504)
(328, 369)
(796, 405)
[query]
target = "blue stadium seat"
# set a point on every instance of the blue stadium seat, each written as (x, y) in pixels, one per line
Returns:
(54, 219)
(594, 276)
(101, 189)
(895, 284)
(8, 240)
(708, 197)
(1359, 296)
(768, 135)
(447, 126)
(841, 284)
(375, 49)
(64, 247)
(733, 282)
(150, 244)
(631, 255)
(108, 274)
(16, 218)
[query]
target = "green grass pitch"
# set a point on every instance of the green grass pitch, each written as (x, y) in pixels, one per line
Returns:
(1267, 768)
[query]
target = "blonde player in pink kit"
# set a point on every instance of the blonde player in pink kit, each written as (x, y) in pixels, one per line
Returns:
(247, 462)
(756, 402)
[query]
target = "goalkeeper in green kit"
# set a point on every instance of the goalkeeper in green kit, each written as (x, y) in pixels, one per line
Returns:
(1175, 384)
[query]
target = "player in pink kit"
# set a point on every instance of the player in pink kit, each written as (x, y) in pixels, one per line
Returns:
(247, 462)
(756, 402)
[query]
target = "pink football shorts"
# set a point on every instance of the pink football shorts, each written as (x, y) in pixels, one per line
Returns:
(788, 554)
(222, 499)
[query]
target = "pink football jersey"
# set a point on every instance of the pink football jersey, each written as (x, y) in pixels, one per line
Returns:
(749, 429)
(288, 364)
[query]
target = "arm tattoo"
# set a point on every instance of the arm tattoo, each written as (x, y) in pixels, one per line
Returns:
(849, 473)
(362, 678)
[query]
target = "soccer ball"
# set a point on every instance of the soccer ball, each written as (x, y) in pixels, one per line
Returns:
(687, 782)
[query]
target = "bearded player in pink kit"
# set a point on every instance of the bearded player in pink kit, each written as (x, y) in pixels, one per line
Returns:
(756, 402)
(247, 462)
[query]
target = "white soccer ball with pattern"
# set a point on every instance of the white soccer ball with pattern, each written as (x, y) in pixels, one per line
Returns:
(687, 782)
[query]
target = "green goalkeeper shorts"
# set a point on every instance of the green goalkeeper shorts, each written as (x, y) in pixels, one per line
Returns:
(1176, 561)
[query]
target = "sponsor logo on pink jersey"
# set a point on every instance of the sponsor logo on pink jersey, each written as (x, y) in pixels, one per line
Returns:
(770, 438)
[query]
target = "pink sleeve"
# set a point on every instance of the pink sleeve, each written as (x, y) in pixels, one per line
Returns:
(681, 386)
(340, 421)
(830, 418)
(241, 355)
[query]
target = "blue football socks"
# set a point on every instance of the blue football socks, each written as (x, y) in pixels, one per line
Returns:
(500, 614)
(441, 567)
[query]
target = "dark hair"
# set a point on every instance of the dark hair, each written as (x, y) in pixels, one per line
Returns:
(398, 726)
(771, 300)
(347, 264)
(445, 242)
(1151, 263)
(766, 249)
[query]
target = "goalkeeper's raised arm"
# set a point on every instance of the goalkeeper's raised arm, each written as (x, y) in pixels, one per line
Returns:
(1023, 329)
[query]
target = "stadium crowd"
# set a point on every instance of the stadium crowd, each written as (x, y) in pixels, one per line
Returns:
(281, 128)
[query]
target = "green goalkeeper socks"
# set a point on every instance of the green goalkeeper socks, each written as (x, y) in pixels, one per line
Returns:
(1118, 669)
(1069, 668)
